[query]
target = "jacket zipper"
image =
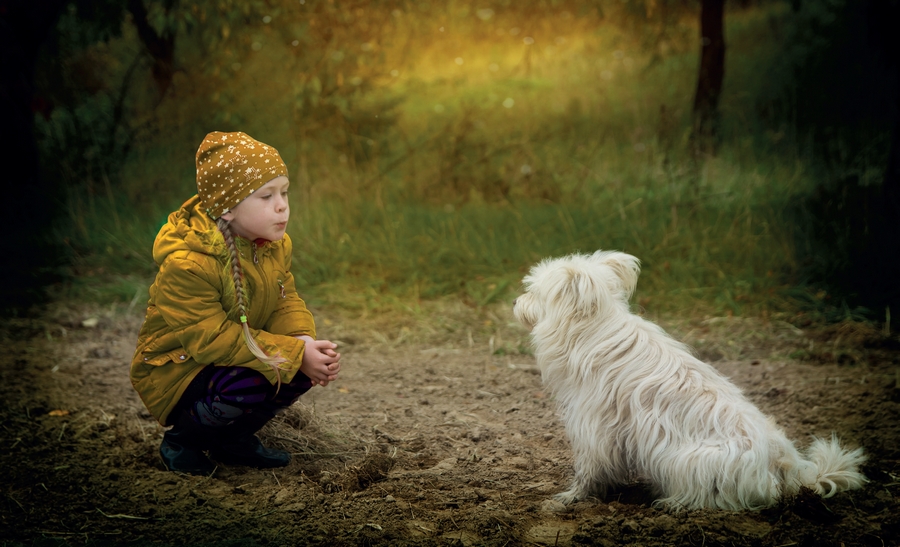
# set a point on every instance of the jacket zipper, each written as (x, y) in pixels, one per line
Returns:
(264, 286)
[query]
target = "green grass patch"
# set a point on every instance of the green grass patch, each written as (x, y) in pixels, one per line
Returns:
(472, 154)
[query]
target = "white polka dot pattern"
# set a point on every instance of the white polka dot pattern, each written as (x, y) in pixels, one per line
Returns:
(230, 167)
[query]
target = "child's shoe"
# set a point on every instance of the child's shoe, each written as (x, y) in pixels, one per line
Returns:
(248, 450)
(180, 454)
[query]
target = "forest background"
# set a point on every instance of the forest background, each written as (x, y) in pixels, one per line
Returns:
(439, 149)
(745, 151)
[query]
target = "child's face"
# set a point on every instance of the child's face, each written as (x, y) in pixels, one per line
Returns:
(264, 214)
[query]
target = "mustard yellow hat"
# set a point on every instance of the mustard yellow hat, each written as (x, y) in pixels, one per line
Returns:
(230, 167)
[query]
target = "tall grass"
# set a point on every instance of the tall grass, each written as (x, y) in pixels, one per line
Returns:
(508, 141)
(722, 250)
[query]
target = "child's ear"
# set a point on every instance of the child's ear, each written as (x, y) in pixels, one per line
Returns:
(227, 216)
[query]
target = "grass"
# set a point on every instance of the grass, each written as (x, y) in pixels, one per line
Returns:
(430, 252)
(498, 153)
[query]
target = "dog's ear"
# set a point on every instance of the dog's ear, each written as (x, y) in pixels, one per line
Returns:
(557, 289)
(626, 267)
(583, 291)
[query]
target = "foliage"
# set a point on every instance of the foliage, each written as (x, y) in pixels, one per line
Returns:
(90, 109)
(438, 150)
(82, 130)
(338, 63)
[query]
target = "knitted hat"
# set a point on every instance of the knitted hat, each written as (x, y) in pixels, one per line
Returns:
(230, 167)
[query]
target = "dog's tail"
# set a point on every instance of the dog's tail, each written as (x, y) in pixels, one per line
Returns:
(836, 469)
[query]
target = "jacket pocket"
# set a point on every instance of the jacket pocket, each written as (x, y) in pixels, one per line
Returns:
(177, 355)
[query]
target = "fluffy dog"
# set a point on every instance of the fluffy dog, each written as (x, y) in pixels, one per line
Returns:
(637, 403)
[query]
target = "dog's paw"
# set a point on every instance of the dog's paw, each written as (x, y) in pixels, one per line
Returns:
(568, 496)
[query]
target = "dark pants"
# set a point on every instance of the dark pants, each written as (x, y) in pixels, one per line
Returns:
(222, 396)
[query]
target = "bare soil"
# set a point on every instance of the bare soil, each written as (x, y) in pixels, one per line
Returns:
(437, 433)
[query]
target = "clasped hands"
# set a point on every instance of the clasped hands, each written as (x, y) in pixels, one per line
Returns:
(320, 363)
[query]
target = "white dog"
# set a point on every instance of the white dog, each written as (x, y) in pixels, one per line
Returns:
(637, 403)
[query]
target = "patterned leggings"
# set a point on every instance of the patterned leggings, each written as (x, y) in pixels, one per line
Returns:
(220, 396)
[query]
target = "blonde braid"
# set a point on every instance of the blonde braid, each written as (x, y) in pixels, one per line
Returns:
(237, 275)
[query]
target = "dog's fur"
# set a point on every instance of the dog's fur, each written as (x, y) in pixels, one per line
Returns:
(637, 403)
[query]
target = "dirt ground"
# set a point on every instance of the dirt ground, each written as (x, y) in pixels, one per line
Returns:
(437, 433)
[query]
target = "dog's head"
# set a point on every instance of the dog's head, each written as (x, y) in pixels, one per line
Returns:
(578, 285)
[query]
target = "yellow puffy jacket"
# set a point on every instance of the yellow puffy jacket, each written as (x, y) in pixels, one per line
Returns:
(192, 318)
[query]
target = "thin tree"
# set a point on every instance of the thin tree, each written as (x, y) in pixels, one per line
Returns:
(710, 76)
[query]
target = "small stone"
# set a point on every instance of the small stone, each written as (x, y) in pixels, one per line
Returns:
(445, 464)
(282, 496)
(90, 322)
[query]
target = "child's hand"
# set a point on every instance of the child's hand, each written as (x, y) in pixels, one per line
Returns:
(320, 363)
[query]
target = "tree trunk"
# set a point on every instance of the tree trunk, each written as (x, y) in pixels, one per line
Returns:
(161, 47)
(711, 75)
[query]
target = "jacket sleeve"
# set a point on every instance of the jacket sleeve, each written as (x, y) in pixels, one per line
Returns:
(291, 317)
(189, 300)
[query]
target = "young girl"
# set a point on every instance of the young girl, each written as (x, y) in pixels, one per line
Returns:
(227, 341)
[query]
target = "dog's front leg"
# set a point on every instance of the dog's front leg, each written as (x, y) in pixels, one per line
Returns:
(580, 489)
(594, 472)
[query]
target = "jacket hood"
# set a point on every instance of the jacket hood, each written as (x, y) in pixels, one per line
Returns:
(188, 229)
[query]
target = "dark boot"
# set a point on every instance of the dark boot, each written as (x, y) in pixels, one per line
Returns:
(237, 444)
(181, 449)
(249, 451)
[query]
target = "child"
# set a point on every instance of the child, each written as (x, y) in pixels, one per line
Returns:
(227, 341)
